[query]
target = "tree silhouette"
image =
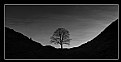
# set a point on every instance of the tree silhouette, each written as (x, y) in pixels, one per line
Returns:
(60, 36)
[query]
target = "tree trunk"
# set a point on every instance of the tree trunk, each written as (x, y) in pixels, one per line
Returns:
(61, 41)
(61, 46)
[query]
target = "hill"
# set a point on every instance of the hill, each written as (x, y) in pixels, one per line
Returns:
(104, 46)
(16, 43)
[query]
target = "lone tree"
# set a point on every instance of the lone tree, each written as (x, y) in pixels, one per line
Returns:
(60, 36)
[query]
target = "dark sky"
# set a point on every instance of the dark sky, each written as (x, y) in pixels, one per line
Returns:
(40, 21)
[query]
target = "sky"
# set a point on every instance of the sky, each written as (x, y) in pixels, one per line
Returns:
(84, 22)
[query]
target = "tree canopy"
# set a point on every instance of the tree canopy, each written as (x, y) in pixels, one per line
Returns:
(60, 36)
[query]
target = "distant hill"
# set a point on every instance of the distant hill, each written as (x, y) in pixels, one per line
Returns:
(104, 46)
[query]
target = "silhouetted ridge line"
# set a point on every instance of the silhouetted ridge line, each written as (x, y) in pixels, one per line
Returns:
(16, 42)
(105, 45)
(12, 33)
(110, 31)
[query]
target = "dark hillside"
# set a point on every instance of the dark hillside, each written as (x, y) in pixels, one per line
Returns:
(16, 43)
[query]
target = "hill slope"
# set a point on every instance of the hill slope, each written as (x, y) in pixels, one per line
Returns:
(16, 43)
(105, 45)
